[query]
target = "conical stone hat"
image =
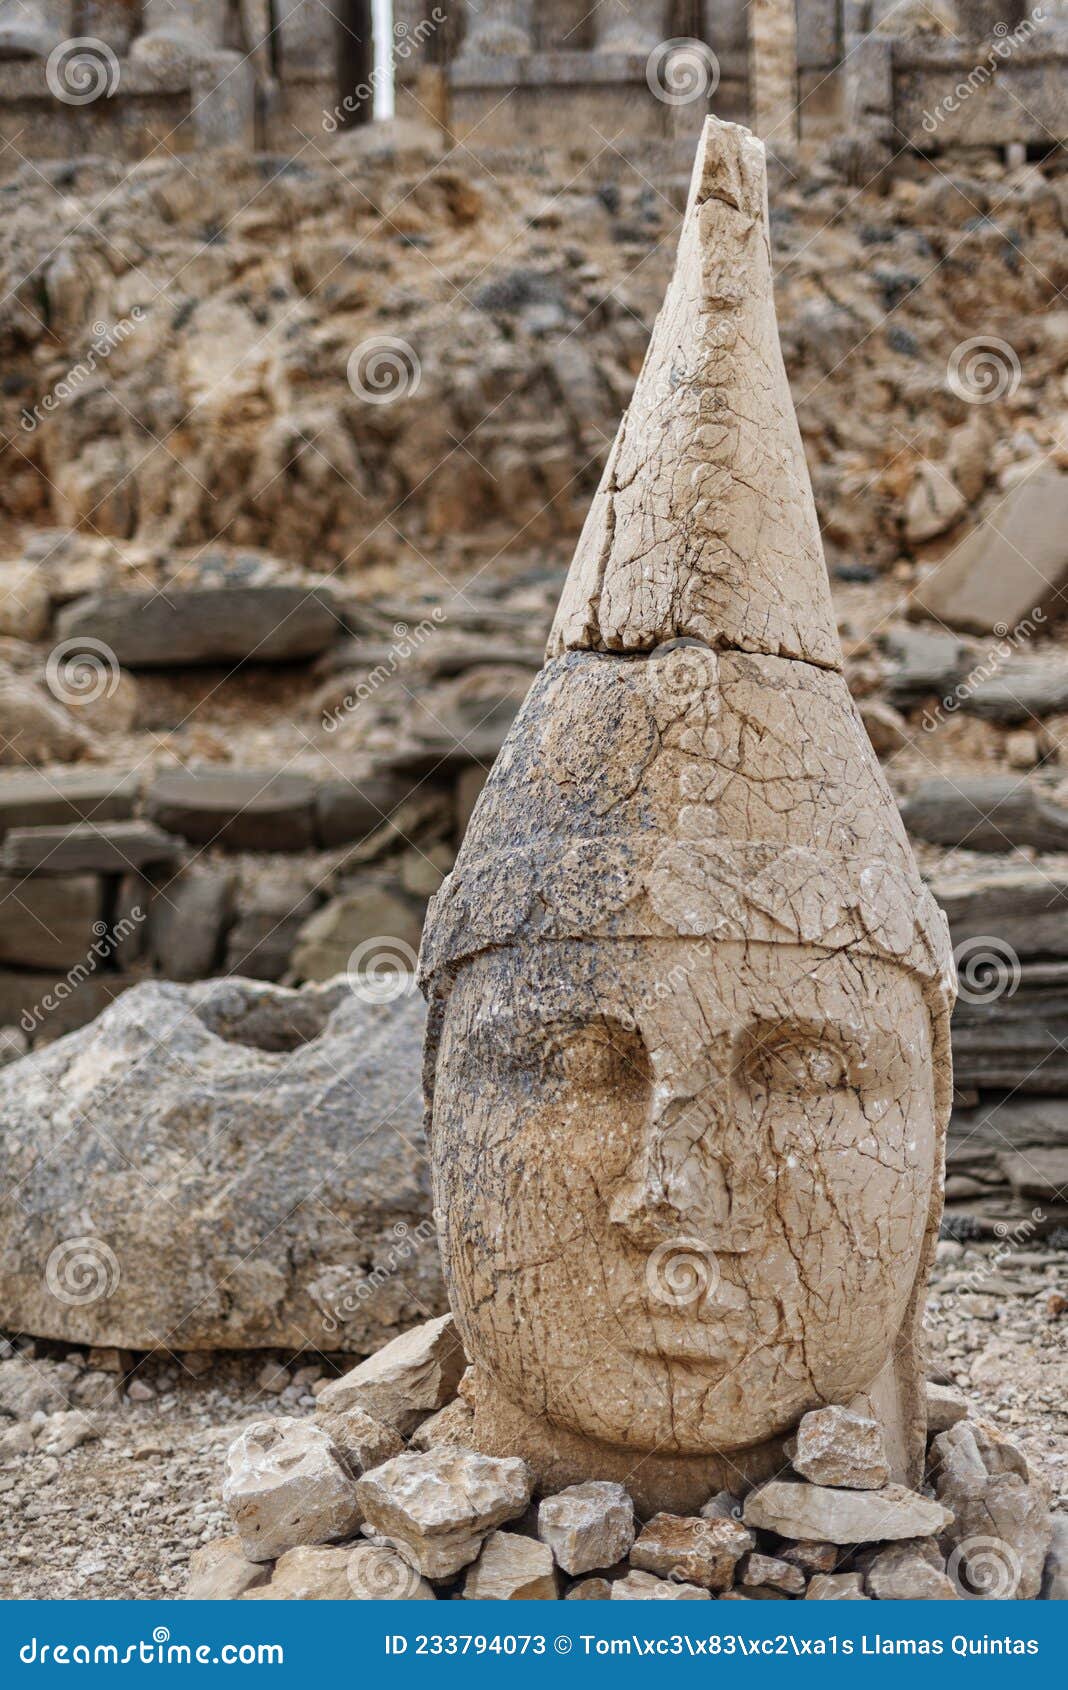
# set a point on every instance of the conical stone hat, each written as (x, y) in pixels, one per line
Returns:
(690, 762)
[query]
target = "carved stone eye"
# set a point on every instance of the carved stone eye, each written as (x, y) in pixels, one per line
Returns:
(605, 1058)
(792, 1060)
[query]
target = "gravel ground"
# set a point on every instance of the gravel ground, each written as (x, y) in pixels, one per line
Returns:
(119, 1514)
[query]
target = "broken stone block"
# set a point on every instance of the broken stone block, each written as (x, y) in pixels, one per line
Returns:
(643, 1587)
(836, 1446)
(811, 1557)
(904, 1573)
(25, 606)
(377, 1573)
(923, 662)
(703, 1552)
(436, 1508)
(1001, 1526)
(286, 1485)
(1014, 562)
(235, 809)
(410, 1378)
(186, 922)
(1023, 906)
(309, 1574)
(221, 1572)
(360, 931)
(62, 797)
(722, 1506)
(835, 1587)
(886, 727)
(186, 626)
(49, 923)
(512, 1569)
(945, 1407)
(294, 1093)
(815, 1512)
(452, 1424)
(27, 1389)
(363, 1441)
(85, 848)
(590, 1590)
(770, 1570)
(271, 908)
(986, 813)
(1023, 690)
(587, 1526)
(34, 728)
(348, 810)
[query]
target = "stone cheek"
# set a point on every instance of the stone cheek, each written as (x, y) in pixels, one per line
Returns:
(684, 1186)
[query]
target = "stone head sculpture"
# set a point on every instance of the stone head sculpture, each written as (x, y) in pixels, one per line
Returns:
(688, 1056)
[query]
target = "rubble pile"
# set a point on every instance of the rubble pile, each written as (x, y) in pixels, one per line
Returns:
(322, 1515)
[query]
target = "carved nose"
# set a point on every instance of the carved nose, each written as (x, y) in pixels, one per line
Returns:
(674, 1184)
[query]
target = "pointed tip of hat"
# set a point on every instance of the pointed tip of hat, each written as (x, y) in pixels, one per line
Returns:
(704, 525)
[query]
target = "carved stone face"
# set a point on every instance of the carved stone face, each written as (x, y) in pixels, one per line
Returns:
(683, 1184)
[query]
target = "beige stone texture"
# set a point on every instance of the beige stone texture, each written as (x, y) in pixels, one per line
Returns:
(400, 1385)
(587, 1526)
(286, 1485)
(843, 1516)
(377, 1573)
(1001, 1530)
(512, 1568)
(836, 1446)
(836, 1587)
(221, 1572)
(363, 1441)
(643, 1587)
(704, 1552)
(759, 1570)
(687, 1059)
(435, 1508)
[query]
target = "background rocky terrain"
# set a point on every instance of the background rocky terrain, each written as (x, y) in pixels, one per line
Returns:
(294, 453)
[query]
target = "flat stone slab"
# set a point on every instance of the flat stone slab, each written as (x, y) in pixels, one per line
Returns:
(47, 923)
(1013, 563)
(413, 1376)
(189, 626)
(818, 1513)
(1021, 691)
(35, 800)
(988, 813)
(1026, 908)
(238, 809)
(111, 848)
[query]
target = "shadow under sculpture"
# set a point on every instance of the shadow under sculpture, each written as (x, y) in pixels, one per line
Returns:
(687, 1058)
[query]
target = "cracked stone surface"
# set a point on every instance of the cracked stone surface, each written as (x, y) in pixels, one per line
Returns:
(287, 1486)
(687, 1053)
(436, 1508)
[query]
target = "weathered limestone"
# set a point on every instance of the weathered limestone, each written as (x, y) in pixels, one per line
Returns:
(818, 1513)
(412, 1377)
(836, 1446)
(1001, 1523)
(904, 1572)
(944, 1408)
(512, 1569)
(377, 1573)
(630, 29)
(836, 1587)
(363, 1441)
(643, 1587)
(436, 1508)
(221, 1572)
(1012, 564)
(587, 1526)
(761, 1571)
(251, 1159)
(703, 1552)
(687, 1057)
(31, 28)
(286, 1485)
